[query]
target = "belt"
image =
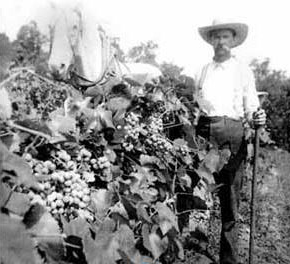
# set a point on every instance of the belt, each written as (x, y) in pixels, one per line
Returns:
(214, 119)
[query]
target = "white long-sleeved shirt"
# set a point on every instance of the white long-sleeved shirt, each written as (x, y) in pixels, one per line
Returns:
(227, 89)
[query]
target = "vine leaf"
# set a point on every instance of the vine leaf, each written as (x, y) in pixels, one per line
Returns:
(205, 174)
(158, 245)
(180, 253)
(101, 200)
(33, 215)
(4, 191)
(16, 168)
(53, 247)
(76, 227)
(18, 203)
(102, 250)
(61, 124)
(145, 236)
(216, 159)
(126, 241)
(147, 160)
(16, 246)
(167, 218)
(118, 106)
(46, 226)
(142, 213)
(130, 208)
(5, 104)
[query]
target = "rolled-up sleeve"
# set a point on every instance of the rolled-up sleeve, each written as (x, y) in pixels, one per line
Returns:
(250, 95)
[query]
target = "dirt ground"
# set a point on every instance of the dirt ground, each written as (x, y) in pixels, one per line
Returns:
(272, 243)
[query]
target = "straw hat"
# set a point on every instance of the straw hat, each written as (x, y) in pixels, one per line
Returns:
(240, 29)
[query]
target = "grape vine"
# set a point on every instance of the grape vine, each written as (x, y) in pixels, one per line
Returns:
(109, 193)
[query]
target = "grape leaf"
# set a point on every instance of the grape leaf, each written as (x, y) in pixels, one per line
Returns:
(125, 239)
(142, 179)
(16, 246)
(46, 226)
(101, 200)
(145, 236)
(119, 209)
(142, 213)
(130, 208)
(62, 124)
(5, 104)
(17, 168)
(205, 174)
(33, 215)
(12, 142)
(179, 142)
(146, 160)
(118, 105)
(167, 218)
(212, 160)
(53, 247)
(76, 227)
(108, 226)
(4, 191)
(18, 203)
(158, 245)
(102, 250)
(180, 253)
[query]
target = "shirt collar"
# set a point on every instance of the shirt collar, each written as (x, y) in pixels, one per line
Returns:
(224, 64)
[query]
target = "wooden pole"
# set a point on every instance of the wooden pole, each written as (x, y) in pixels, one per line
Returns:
(253, 198)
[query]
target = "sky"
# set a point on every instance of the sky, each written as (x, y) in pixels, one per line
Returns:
(172, 24)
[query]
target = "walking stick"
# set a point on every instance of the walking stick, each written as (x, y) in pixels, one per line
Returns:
(253, 198)
(262, 98)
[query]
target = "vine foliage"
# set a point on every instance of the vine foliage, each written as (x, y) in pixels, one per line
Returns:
(109, 182)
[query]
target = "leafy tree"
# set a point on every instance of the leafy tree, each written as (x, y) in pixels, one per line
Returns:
(145, 52)
(29, 48)
(119, 52)
(6, 54)
(277, 106)
(171, 70)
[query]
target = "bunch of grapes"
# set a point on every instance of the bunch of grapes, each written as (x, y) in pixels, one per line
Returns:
(169, 118)
(182, 149)
(133, 129)
(159, 107)
(199, 219)
(155, 125)
(64, 185)
(159, 144)
(29, 92)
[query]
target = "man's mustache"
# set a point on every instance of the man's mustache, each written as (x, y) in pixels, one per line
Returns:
(223, 46)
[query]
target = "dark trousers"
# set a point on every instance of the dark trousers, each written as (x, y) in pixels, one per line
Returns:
(224, 132)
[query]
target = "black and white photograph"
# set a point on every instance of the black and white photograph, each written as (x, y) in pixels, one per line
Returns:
(144, 132)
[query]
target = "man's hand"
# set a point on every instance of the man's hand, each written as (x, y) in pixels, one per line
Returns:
(259, 117)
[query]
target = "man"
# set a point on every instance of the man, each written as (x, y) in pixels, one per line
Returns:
(227, 98)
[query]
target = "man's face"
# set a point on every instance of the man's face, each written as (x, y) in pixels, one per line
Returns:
(222, 41)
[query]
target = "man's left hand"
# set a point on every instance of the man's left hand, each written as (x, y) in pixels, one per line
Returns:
(259, 117)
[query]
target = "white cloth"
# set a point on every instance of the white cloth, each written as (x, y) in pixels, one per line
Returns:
(227, 89)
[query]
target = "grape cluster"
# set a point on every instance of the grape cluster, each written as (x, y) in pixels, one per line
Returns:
(132, 129)
(155, 125)
(199, 220)
(159, 107)
(169, 118)
(30, 92)
(182, 149)
(64, 186)
(159, 144)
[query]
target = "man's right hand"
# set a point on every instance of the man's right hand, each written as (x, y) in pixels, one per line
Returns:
(259, 117)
